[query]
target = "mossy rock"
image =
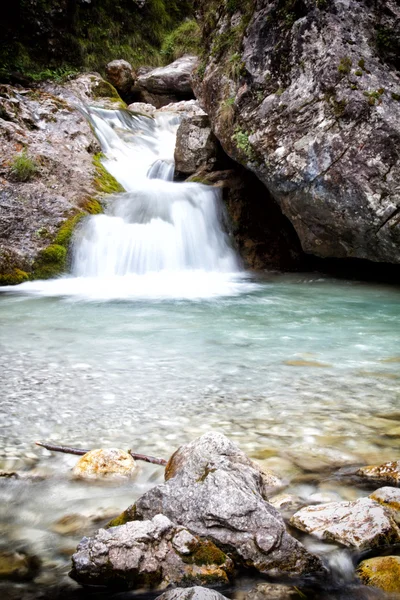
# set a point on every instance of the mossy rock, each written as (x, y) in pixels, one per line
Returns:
(206, 553)
(18, 566)
(382, 572)
(105, 183)
(125, 517)
(14, 277)
(51, 262)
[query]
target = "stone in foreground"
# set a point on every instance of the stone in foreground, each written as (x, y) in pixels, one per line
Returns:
(152, 553)
(382, 572)
(119, 74)
(387, 473)
(390, 498)
(110, 462)
(273, 591)
(217, 492)
(193, 593)
(360, 524)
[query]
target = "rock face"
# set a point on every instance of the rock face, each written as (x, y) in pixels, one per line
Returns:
(217, 492)
(47, 179)
(360, 524)
(194, 593)
(110, 462)
(382, 572)
(387, 473)
(307, 95)
(168, 84)
(148, 553)
(120, 75)
(196, 145)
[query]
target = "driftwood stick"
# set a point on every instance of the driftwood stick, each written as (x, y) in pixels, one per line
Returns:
(65, 449)
(149, 459)
(81, 452)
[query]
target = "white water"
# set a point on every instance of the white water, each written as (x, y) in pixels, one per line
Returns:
(159, 239)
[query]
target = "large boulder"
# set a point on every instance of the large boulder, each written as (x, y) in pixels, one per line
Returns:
(148, 553)
(307, 95)
(120, 74)
(218, 493)
(193, 593)
(168, 84)
(362, 524)
(196, 145)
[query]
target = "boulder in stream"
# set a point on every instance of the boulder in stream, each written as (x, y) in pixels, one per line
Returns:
(389, 472)
(196, 145)
(110, 462)
(390, 498)
(382, 572)
(18, 565)
(120, 75)
(193, 593)
(360, 524)
(153, 553)
(168, 84)
(218, 493)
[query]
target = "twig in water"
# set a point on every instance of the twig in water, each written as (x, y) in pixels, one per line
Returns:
(81, 452)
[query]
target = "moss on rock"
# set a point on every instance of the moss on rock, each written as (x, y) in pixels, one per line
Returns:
(125, 517)
(105, 183)
(382, 572)
(14, 277)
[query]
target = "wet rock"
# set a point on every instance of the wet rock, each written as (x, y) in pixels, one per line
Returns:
(360, 524)
(216, 491)
(286, 502)
(168, 84)
(196, 145)
(314, 459)
(193, 593)
(190, 108)
(390, 498)
(120, 74)
(92, 89)
(148, 553)
(387, 473)
(142, 108)
(273, 591)
(382, 572)
(309, 101)
(105, 463)
(18, 566)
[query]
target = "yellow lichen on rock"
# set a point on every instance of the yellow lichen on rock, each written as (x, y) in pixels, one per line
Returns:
(105, 463)
(382, 572)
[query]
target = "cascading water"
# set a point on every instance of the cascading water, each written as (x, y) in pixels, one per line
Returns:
(157, 239)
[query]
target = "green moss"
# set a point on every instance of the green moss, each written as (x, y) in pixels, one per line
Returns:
(65, 232)
(128, 515)
(339, 107)
(105, 183)
(51, 262)
(207, 553)
(344, 66)
(185, 39)
(23, 168)
(241, 140)
(361, 63)
(103, 89)
(358, 73)
(396, 96)
(15, 277)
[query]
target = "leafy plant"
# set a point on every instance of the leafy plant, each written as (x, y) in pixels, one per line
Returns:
(344, 66)
(23, 168)
(185, 39)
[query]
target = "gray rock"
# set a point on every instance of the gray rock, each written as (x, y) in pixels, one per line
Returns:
(148, 553)
(193, 593)
(390, 498)
(360, 524)
(142, 108)
(196, 145)
(217, 492)
(168, 84)
(190, 108)
(120, 75)
(308, 99)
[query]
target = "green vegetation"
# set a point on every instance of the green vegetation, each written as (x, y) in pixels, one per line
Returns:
(237, 67)
(185, 39)
(396, 96)
(51, 262)
(105, 183)
(374, 96)
(361, 63)
(241, 140)
(344, 66)
(23, 168)
(227, 111)
(206, 553)
(358, 73)
(14, 277)
(51, 39)
(128, 515)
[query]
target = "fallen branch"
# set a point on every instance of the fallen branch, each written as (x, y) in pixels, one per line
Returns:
(81, 452)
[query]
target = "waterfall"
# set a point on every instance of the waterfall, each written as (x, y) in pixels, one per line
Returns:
(159, 238)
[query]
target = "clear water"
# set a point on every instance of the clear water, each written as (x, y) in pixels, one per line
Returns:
(291, 367)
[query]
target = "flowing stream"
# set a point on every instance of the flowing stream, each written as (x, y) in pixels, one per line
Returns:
(158, 335)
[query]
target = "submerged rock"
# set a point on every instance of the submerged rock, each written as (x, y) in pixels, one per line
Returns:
(390, 498)
(120, 75)
(168, 84)
(273, 591)
(196, 145)
(193, 593)
(105, 463)
(387, 473)
(382, 572)
(18, 566)
(152, 553)
(217, 492)
(361, 524)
